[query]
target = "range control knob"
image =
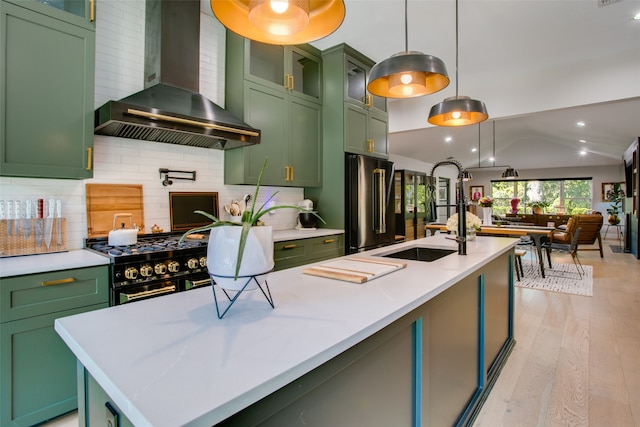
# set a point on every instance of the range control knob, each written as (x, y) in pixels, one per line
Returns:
(160, 268)
(146, 270)
(203, 261)
(131, 273)
(173, 266)
(192, 263)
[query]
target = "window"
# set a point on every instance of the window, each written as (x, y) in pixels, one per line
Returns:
(566, 196)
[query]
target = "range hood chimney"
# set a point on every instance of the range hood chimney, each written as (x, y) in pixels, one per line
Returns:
(170, 109)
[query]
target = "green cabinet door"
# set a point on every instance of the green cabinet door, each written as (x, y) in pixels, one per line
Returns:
(37, 370)
(77, 12)
(47, 93)
(305, 143)
(265, 109)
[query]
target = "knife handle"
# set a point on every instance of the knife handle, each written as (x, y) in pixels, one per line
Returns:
(40, 208)
(10, 209)
(52, 208)
(18, 209)
(58, 208)
(2, 212)
(27, 210)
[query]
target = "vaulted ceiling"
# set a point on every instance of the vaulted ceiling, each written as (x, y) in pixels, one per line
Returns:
(540, 66)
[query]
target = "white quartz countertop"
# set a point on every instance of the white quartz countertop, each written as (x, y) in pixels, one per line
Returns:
(170, 361)
(304, 233)
(31, 264)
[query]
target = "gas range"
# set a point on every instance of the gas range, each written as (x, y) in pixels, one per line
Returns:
(156, 265)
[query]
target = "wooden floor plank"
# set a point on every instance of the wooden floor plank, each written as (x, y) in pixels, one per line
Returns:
(576, 361)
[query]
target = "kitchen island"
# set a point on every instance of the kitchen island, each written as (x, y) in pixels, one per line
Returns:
(419, 346)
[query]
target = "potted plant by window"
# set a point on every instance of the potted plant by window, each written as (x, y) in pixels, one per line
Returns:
(615, 195)
(538, 206)
(241, 249)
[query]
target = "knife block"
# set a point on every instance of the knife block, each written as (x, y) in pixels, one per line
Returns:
(12, 245)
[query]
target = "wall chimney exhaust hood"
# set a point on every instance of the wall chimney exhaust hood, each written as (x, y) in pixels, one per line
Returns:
(170, 109)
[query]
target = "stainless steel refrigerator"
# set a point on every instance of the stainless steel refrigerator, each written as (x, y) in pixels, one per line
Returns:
(369, 193)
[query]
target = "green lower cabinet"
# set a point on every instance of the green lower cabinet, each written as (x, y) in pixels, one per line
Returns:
(38, 371)
(293, 253)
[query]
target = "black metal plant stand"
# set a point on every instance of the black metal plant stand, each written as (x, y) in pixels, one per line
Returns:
(233, 299)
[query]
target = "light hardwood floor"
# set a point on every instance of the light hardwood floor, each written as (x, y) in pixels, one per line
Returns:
(576, 361)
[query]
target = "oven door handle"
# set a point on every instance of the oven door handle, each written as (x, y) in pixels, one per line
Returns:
(198, 283)
(124, 297)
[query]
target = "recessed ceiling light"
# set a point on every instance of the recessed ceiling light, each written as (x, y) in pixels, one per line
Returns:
(581, 124)
(583, 141)
(491, 159)
(637, 17)
(473, 150)
(448, 139)
(583, 153)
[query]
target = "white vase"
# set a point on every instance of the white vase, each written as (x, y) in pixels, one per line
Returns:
(486, 216)
(222, 254)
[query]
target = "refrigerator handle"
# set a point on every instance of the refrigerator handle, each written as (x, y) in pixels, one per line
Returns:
(379, 202)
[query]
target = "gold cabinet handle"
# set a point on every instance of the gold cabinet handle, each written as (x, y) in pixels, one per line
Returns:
(58, 282)
(288, 173)
(89, 158)
(291, 246)
(92, 10)
(293, 84)
(368, 100)
(288, 81)
(292, 173)
(328, 241)
(370, 145)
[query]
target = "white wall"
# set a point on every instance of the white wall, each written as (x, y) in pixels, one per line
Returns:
(119, 72)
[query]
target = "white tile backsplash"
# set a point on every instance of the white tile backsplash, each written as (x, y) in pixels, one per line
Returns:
(119, 73)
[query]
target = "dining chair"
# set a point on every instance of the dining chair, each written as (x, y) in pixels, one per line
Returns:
(570, 248)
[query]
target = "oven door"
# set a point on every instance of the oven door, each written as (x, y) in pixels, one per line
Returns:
(139, 292)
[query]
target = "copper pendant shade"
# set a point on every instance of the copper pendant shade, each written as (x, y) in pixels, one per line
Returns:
(458, 110)
(408, 74)
(282, 22)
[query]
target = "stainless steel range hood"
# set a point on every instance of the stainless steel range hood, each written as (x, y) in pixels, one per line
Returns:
(170, 109)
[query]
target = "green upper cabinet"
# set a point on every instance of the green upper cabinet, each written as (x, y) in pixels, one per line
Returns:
(47, 89)
(76, 12)
(357, 117)
(276, 89)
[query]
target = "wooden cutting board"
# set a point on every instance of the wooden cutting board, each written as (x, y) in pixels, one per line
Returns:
(355, 269)
(106, 200)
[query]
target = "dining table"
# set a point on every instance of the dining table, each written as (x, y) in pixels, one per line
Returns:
(537, 234)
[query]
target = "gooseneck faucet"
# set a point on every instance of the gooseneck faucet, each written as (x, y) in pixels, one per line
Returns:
(463, 175)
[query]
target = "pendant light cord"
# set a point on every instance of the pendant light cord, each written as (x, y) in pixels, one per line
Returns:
(456, 48)
(494, 143)
(406, 28)
(478, 144)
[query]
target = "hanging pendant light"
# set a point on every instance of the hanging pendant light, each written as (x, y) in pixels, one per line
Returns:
(282, 22)
(407, 74)
(458, 110)
(510, 173)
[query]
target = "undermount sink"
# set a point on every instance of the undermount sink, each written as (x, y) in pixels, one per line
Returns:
(419, 253)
